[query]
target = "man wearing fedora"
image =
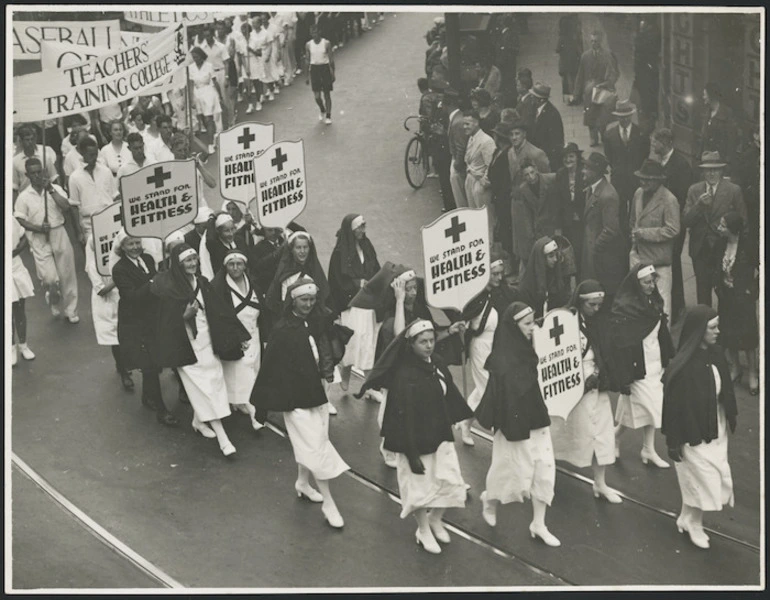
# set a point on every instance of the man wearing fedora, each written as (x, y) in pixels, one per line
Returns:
(604, 256)
(596, 70)
(625, 148)
(548, 129)
(499, 176)
(707, 202)
(720, 130)
(654, 224)
(678, 180)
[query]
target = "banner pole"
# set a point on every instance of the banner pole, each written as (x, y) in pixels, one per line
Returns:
(189, 97)
(462, 366)
(45, 191)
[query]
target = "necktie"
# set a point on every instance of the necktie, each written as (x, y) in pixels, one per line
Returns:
(141, 265)
(625, 135)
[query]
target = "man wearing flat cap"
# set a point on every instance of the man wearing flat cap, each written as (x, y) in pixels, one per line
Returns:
(604, 257)
(548, 129)
(654, 225)
(521, 150)
(707, 202)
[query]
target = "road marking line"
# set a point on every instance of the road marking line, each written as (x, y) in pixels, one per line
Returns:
(93, 527)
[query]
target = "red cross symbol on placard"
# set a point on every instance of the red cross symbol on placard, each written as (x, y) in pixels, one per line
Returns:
(455, 230)
(556, 331)
(159, 178)
(246, 139)
(279, 159)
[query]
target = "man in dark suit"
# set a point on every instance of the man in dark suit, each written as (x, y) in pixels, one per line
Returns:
(626, 148)
(604, 255)
(458, 141)
(596, 69)
(679, 178)
(707, 202)
(533, 209)
(548, 129)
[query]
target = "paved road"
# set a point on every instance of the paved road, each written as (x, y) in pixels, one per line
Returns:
(208, 522)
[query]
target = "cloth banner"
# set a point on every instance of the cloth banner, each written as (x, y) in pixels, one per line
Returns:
(560, 367)
(455, 249)
(160, 198)
(105, 225)
(132, 38)
(27, 35)
(281, 187)
(164, 19)
(238, 146)
(101, 81)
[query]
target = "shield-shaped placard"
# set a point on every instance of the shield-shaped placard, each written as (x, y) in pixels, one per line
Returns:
(238, 146)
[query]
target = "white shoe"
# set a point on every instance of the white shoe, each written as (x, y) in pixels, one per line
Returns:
(465, 434)
(256, 425)
(321, 117)
(332, 409)
(270, 97)
(611, 495)
(227, 449)
(332, 516)
(390, 459)
(305, 491)
(14, 356)
(74, 319)
(328, 120)
(439, 532)
(277, 90)
(298, 71)
(488, 510)
(428, 542)
(250, 109)
(545, 535)
(259, 106)
(26, 353)
(651, 455)
(212, 148)
(203, 428)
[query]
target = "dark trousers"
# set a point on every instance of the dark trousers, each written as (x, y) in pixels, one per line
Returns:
(504, 229)
(677, 283)
(443, 162)
(118, 361)
(703, 265)
(151, 394)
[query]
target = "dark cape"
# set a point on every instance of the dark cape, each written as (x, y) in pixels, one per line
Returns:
(512, 401)
(288, 266)
(597, 331)
(418, 415)
(539, 283)
(345, 267)
(690, 401)
(215, 246)
(634, 315)
(172, 347)
(499, 298)
(221, 287)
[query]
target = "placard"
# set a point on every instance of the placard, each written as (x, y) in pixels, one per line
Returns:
(105, 225)
(27, 35)
(101, 81)
(455, 249)
(238, 146)
(160, 198)
(279, 173)
(560, 366)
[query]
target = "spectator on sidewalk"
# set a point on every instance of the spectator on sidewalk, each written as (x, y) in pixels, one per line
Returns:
(654, 224)
(625, 147)
(647, 46)
(720, 128)
(499, 175)
(548, 129)
(707, 202)
(526, 103)
(533, 210)
(678, 181)
(489, 78)
(604, 255)
(506, 53)
(442, 155)
(458, 141)
(595, 71)
(569, 48)
(571, 199)
(746, 174)
(481, 101)
(478, 157)
(521, 150)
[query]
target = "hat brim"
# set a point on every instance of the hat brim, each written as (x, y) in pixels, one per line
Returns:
(623, 114)
(536, 95)
(720, 165)
(641, 175)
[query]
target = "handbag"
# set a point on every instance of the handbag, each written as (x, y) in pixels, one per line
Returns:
(600, 95)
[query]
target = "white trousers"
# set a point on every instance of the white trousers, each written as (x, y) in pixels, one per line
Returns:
(457, 181)
(55, 264)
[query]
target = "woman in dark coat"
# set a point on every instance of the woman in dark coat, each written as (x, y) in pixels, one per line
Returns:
(641, 348)
(297, 358)
(737, 288)
(132, 270)
(523, 465)
(422, 405)
(352, 264)
(698, 407)
(570, 49)
(571, 200)
(543, 286)
(195, 331)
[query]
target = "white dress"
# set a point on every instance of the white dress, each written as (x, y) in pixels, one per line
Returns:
(205, 94)
(257, 41)
(645, 404)
(480, 349)
(22, 283)
(241, 374)
(359, 351)
(273, 66)
(589, 429)
(204, 380)
(308, 430)
(104, 309)
(441, 486)
(705, 480)
(115, 159)
(522, 469)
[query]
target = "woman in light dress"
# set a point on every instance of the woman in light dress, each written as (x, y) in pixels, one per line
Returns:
(207, 95)
(698, 408)
(272, 56)
(586, 438)
(641, 347)
(115, 152)
(258, 48)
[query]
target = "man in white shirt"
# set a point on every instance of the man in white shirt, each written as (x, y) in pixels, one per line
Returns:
(161, 149)
(78, 127)
(140, 157)
(40, 209)
(92, 187)
(29, 149)
(478, 156)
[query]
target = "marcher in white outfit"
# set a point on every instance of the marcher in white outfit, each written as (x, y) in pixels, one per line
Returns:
(641, 347)
(207, 93)
(698, 407)
(21, 288)
(587, 437)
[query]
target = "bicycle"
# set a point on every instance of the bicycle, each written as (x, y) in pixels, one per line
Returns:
(416, 156)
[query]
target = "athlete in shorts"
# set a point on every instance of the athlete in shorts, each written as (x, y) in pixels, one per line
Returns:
(320, 72)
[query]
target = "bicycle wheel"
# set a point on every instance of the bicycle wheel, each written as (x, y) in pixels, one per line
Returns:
(416, 163)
